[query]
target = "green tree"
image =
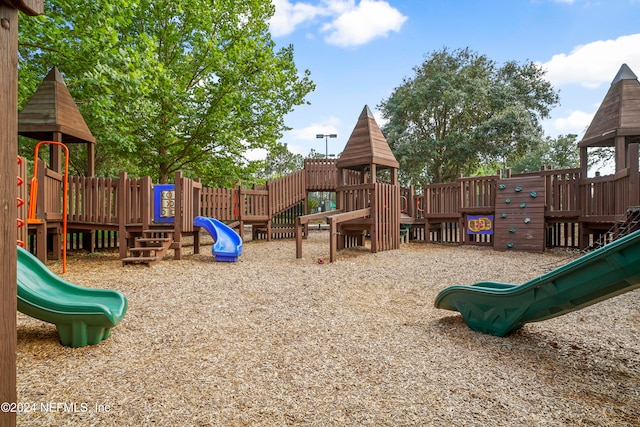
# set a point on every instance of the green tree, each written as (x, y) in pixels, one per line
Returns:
(557, 153)
(314, 154)
(280, 161)
(169, 85)
(460, 111)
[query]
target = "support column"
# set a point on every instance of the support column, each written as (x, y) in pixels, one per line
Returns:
(8, 205)
(621, 153)
(634, 178)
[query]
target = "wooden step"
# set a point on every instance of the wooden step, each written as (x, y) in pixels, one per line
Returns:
(158, 230)
(153, 239)
(146, 248)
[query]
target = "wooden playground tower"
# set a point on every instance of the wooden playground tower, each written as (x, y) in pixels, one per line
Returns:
(365, 204)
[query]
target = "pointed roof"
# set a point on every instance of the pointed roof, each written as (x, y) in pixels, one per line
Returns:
(619, 112)
(367, 145)
(52, 109)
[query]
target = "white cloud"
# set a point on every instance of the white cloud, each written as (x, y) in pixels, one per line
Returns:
(289, 15)
(360, 24)
(576, 122)
(596, 63)
(329, 126)
(350, 24)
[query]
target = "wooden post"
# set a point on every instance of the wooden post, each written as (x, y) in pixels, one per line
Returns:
(8, 194)
(634, 184)
(9, 211)
(621, 153)
(55, 153)
(178, 184)
(123, 207)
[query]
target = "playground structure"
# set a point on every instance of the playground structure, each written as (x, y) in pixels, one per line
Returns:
(525, 212)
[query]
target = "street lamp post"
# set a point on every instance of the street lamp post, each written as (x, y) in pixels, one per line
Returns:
(326, 137)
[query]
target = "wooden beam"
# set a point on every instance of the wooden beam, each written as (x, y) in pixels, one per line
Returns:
(634, 179)
(621, 153)
(28, 7)
(8, 194)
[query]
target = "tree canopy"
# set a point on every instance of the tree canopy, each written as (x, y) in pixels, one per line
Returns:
(168, 85)
(462, 110)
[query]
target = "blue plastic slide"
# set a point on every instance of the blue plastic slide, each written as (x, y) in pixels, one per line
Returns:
(83, 316)
(228, 244)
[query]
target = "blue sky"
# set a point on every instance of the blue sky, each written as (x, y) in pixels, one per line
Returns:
(358, 51)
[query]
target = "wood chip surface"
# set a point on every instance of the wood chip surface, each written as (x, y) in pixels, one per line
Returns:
(272, 340)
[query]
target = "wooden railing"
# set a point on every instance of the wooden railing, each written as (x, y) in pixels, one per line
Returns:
(477, 193)
(321, 174)
(354, 197)
(606, 197)
(49, 199)
(188, 202)
(93, 200)
(442, 200)
(253, 205)
(135, 200)
(220, 203)
(286, 192)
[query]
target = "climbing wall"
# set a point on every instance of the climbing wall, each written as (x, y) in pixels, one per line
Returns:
(519, 215)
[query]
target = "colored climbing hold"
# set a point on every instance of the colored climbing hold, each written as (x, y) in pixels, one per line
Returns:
(533, 194)
(507, 201)
(503, 215)
(523, 205)
(502, 186)
(510, 245)
(527, 220)
(518, 189)
(512, 230)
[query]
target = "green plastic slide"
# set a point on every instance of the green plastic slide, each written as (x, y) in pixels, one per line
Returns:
(83, 316)
(499, 308)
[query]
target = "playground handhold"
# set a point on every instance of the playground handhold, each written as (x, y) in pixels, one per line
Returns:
(503, 215)
(527, 220)
(502, 187)
(510, 245)
(533, 194)
(523, 205)
(507, 201)
(320, 260)
(518, 189)
(512, 230)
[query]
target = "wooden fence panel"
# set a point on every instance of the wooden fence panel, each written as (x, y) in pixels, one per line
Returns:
(387, 216)
(442, 199)
(286, 192)
(93, 200)
(605, 196)
(50, 194)
(354, 197)
(220, 203)
(478, 192)
(254, 205)
(321, 174)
